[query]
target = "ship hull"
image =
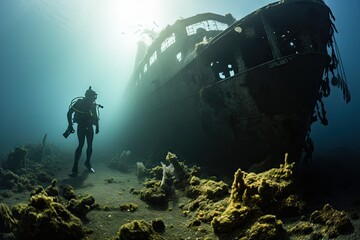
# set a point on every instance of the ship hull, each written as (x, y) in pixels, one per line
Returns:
(250, 120)
(241, 100)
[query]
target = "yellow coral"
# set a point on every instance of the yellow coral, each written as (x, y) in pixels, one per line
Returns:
(170, 156)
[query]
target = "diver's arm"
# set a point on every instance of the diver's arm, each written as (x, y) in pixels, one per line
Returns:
(96, 124)
(97, 127)
(69, 116)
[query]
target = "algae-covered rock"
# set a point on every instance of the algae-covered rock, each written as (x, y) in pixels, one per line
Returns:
(43, 177)
(301, 229)
(129, 207)
(153, 193)
(80, 207)
(205, 209)
(53, 190)
(67, 192)
(233, 217)
(266, 228)
(7, 221)
(209, 188)
(43, 218)
(256, 195)
(335, 222)
(137, 230)
(182, 172)
(291, 206)
(15, 159)
(166, 179)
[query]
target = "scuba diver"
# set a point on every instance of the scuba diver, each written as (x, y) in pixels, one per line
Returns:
(86, 115)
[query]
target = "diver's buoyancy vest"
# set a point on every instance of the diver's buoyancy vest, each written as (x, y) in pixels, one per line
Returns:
(84, 113)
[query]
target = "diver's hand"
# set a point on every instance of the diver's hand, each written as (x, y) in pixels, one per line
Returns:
(71, 129)
(96, 131)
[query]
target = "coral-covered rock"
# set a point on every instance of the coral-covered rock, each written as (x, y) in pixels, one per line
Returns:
(211, 189)
(153, 193)
(266, 228)
(80, 207)
(7, 221)
(301, 229)
(255, 195)
(67, 192)
(43, 217)
(16, 159)
(335, 222)
(129, 207)
(137, 230)
(235, 216)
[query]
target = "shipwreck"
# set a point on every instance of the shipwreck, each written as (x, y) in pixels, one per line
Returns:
(231, 93)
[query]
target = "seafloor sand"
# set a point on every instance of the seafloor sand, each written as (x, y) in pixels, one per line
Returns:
(334, 181)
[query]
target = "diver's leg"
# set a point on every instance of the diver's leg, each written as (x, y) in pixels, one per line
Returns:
(89, 140)
(81, 138)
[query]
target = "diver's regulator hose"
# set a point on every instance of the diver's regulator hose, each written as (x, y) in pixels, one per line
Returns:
(97, 106)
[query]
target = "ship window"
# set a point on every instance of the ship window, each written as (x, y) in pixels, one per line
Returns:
(153, 58)
(145, 68)
(179, 57)
(168, 42)
(209, 25)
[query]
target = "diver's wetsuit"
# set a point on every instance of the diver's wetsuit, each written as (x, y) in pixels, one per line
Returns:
(83, 130)
(85, 117)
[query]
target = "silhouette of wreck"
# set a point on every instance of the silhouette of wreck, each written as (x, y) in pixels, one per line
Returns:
(229, 94)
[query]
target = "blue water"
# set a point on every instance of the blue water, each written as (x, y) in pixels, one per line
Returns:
(52, 52)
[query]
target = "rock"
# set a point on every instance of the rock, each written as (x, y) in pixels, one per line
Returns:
(137, 230)
(335, 222)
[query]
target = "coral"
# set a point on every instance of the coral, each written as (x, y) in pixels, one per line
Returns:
(43, 177)
(17, 183)
(255, 195)
(233, 217)
(153, 193)
(211, 189)
(208, 199)
(183, 174)
(335, 222)
(137, 229)
(266, 228)
(43, 217)
(165, 180)
(7, 221)
(205, 209)
(8, 179)
(129, 207)
(16, 159)
(301, 229)
(67, 192)
(52, 190)
(80, 207)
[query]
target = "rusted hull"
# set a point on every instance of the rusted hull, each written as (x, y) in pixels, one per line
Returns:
(242, 99)
(251, 118)
(264, 113)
